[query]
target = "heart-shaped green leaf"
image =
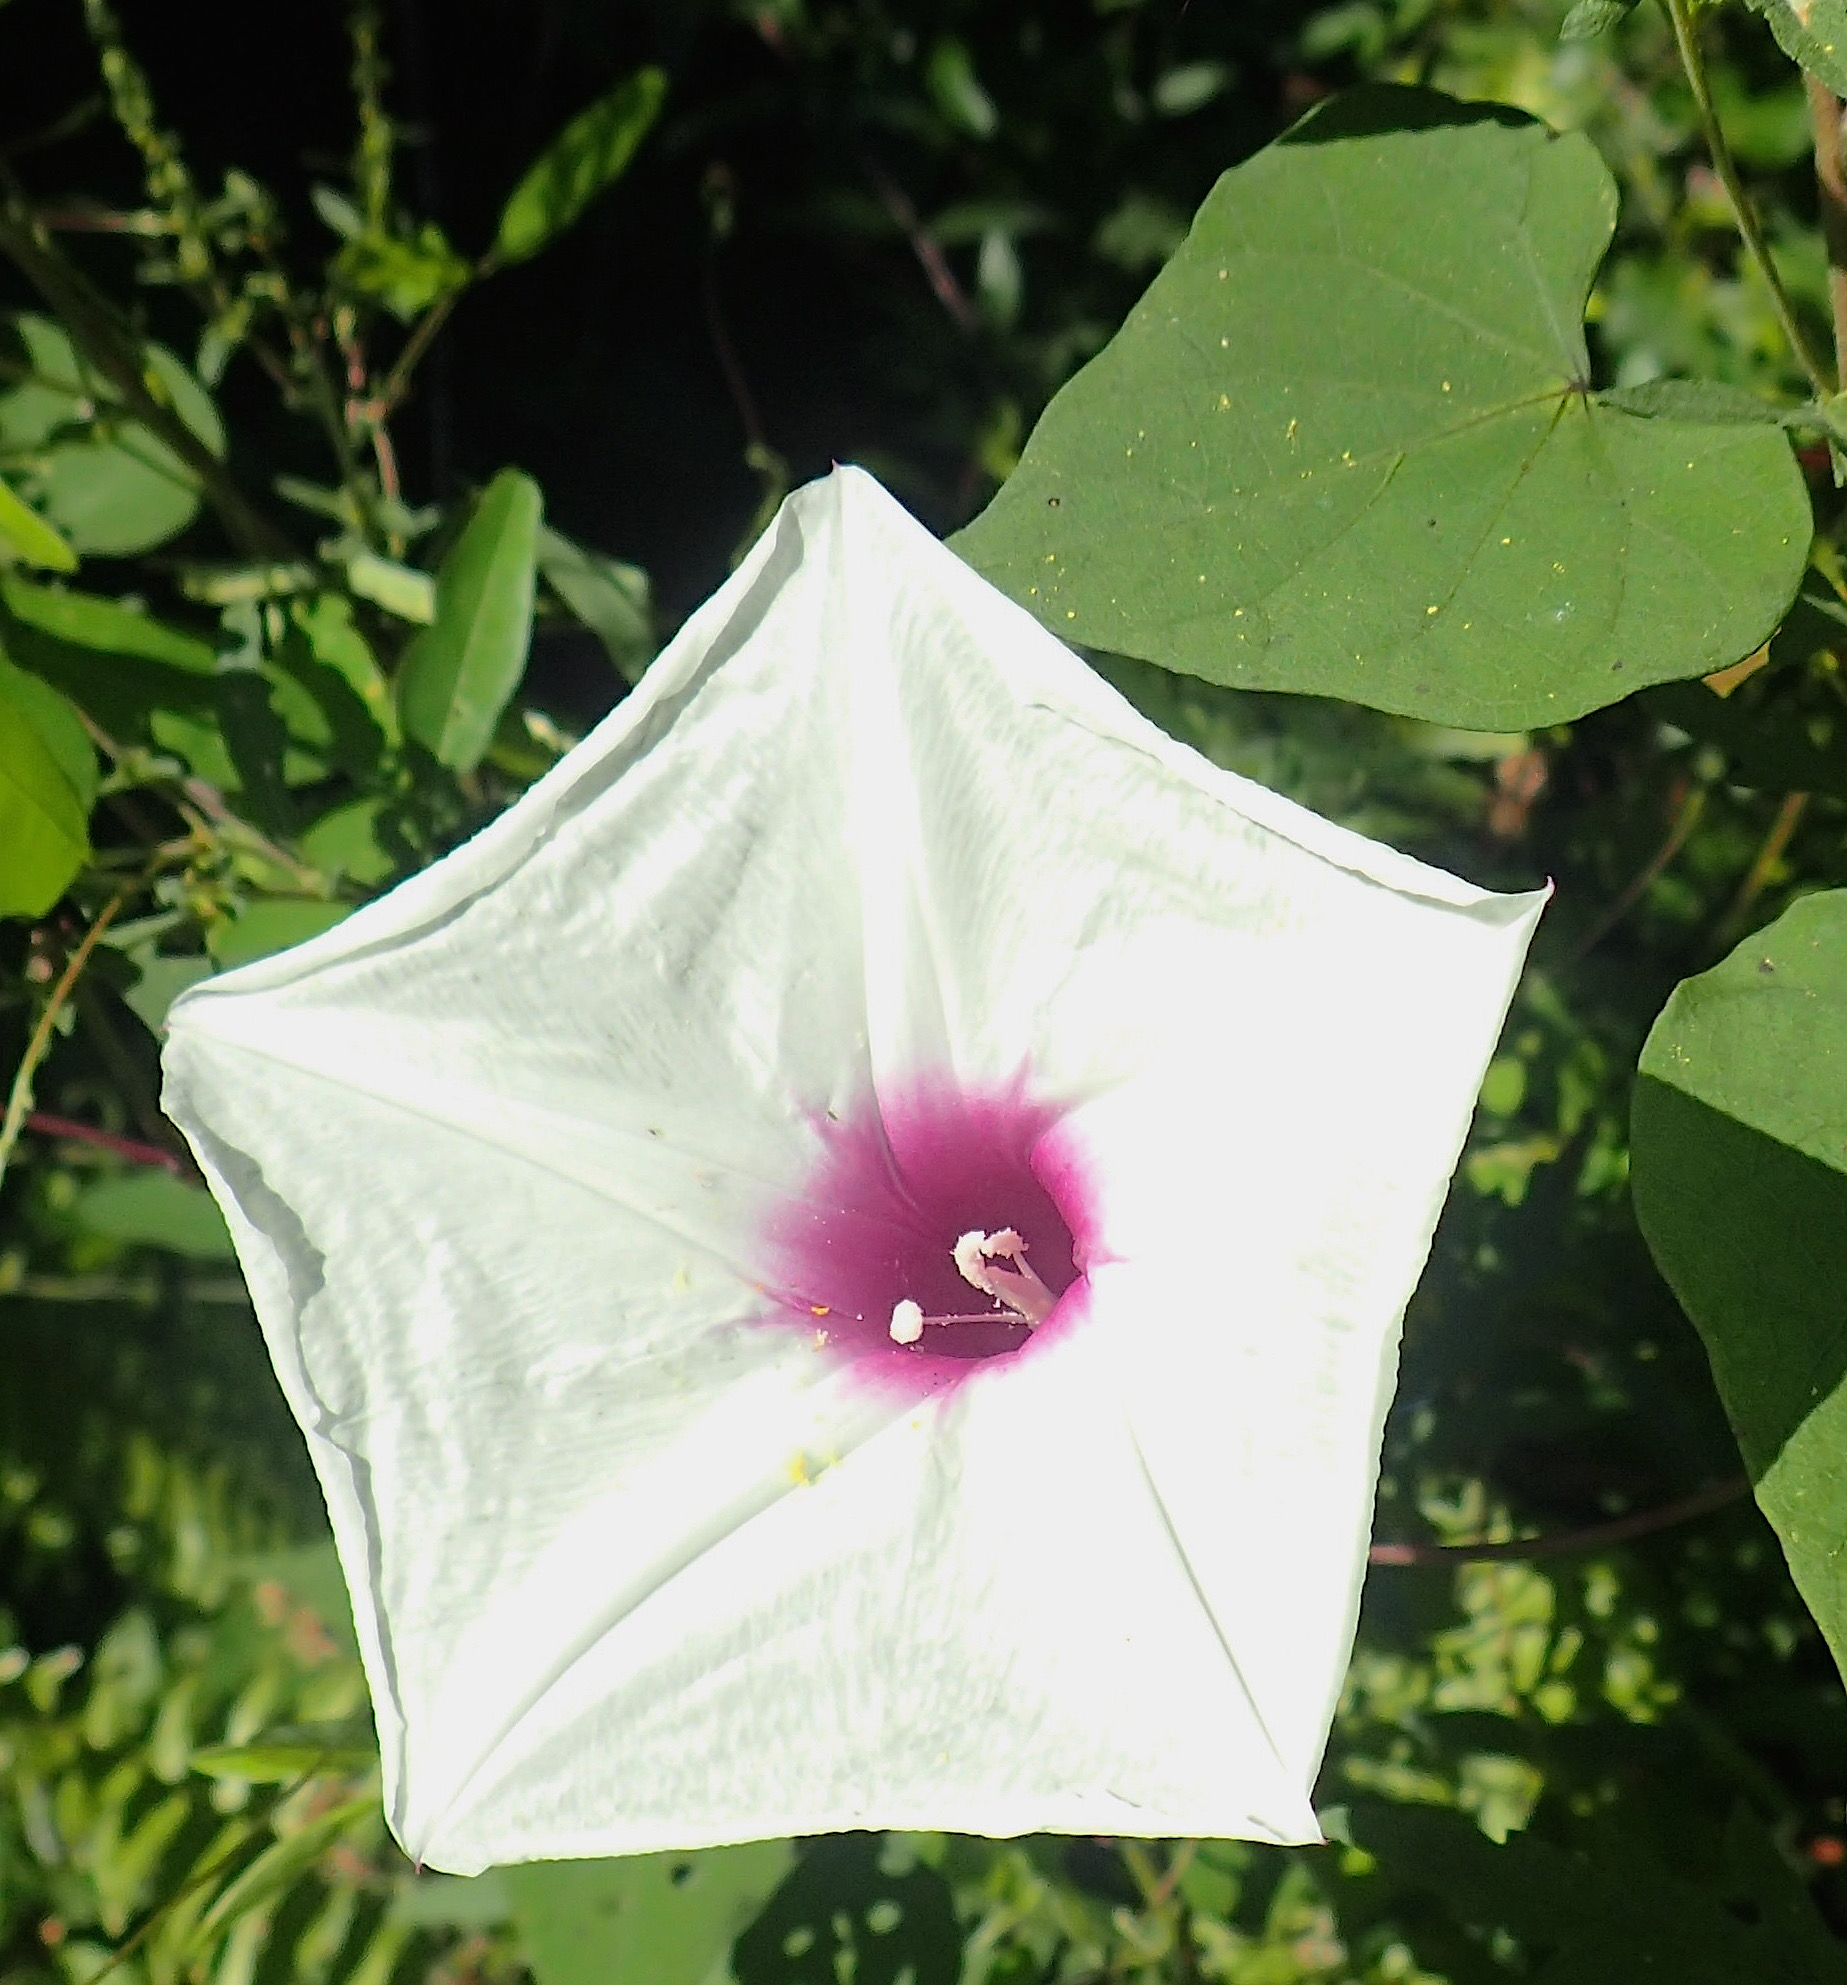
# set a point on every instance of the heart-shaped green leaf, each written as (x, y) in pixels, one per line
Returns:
(1740, 1180)
(1345, 445)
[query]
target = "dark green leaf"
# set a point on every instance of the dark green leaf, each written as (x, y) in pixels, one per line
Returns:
(1343, 446)
(608, 597)
(667, 1918)
(856, 1906)
(957, 90)
(460, 671)
(278, 1866)
(154, 1209)
(44, 835)
(1740, 1181)
(590, 153)
(1609, 1912)
(98, 476)
(82, 620)
(1813, 33)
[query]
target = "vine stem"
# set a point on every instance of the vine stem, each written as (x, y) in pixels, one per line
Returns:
(1750, 229)
(1562, 1543)
(1831, 183)
(19, 1102)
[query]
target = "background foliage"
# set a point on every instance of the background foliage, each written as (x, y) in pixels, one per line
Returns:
(346, 352)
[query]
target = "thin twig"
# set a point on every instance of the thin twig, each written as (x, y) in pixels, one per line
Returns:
(1770, 852)
(1691, 805)
(1831, 183)
(1564, 1543)
(19, 1102)
(924, 245)
(397, 380)
(1750, 228)
(131, 1148)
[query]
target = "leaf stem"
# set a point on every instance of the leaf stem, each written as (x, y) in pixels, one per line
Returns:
(1750, 228)
(1563, 1543)
(19, 1102)
(1831, 182)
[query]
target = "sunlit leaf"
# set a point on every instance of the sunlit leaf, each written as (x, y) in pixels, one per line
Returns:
(99, 477)
(31, 539)
(44, 836)
(459, 672)
(589, 154)
(271, 924)
(1813, 33)
(1740, 1180)
(607, 596)
(666, 1918)
(154, 1209)
(1345, 446)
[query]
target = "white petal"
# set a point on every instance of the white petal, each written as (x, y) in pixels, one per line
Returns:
(634, 1569)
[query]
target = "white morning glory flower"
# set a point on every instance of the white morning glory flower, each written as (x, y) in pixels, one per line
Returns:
(841, 1263)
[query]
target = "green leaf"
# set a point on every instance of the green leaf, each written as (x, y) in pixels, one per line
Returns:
(154, 1209)
(956, 89)
(668, 1918)
(855, 1906)
(33, 540)
(159, 982)
(271, 924)
(97, 475)
(44, 815)
(83, 620)
(277, 1868)
(1589, 18)
(590, 153)
(460, 671)
(1740, 1179)
(1344, 446)
(607, 596)
(1605, 1910)
(400, 589)
(1813, 33)
(403, 273)
(293, 1751)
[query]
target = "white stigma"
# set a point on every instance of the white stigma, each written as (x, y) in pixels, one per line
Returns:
(906, 1322)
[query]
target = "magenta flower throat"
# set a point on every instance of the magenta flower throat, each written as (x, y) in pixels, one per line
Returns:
(937, 1229)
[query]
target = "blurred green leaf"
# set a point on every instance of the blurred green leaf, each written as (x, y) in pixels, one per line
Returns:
(1590, 18)
(458, 674)
(160, 982)
(326, 623)
(84, 620)
(278, 1867)
(33, 540)
(399, 589)
(97, 475)
(667, 1918)
(589, 154)
(152, 1208)
(1709, 402)
(607, 596)
(44, 833)
(1344, 446)
(957, 90)
(403, 273)
(345, 842)
(290, 1751)
(1813, 33)
(1740, 1179)
(271, 924)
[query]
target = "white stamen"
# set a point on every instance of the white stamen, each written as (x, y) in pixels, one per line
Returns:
(996, 1265)
(906, 1322)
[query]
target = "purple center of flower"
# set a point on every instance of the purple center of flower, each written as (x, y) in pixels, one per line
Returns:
(936, 1229)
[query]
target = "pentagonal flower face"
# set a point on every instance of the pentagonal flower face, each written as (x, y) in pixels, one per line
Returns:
(840, 1264)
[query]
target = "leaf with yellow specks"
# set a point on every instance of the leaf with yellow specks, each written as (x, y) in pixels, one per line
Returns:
(1346, 445)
